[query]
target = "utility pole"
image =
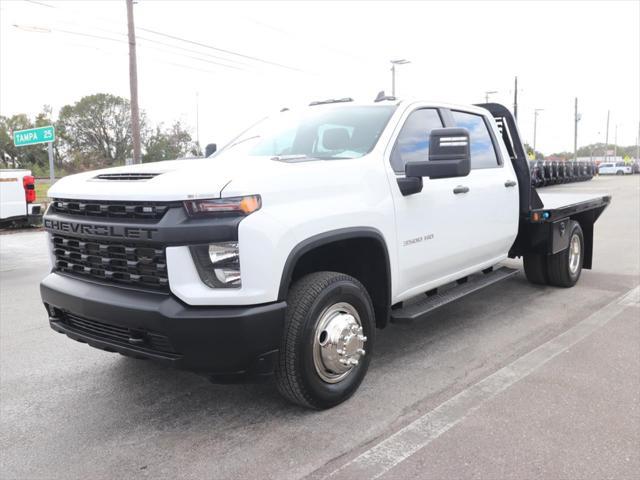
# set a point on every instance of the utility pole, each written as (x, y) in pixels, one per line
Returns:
(515, 100)
(133, 84)
(535, 127)
(638, 144)
(576, 119)
(606, 140)
(198, 121)
(393, 73)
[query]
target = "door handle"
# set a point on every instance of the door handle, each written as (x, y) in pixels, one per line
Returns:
(510, 183)
(460, 189)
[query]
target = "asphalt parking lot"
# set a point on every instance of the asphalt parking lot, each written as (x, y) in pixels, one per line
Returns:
(516, 381)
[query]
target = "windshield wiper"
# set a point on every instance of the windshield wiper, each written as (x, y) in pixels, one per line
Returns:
(243, 140)
(302, 157)
(289, 158)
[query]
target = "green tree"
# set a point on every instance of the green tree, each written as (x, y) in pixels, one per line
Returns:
(34, 157)
(530, 154)
(96, 131)
(169, 144)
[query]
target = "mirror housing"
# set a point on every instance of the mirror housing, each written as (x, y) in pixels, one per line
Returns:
(449, 155)
(210, 149)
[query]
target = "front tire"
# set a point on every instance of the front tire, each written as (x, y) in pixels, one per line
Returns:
(564, 268)
(327, 342)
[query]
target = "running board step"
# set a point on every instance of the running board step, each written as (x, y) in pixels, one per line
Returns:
(429, 303)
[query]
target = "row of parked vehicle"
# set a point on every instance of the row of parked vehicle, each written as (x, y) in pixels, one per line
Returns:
(551, 172)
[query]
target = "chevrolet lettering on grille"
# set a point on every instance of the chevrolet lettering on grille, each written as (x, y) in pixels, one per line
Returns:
(115, 231)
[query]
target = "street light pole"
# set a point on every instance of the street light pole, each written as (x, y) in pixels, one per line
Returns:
(393, 73)
(133, 84)
(535, 128)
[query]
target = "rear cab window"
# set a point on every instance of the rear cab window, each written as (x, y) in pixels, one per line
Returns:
(483, 151)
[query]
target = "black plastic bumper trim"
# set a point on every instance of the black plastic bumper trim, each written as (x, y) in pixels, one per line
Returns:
(210, 340)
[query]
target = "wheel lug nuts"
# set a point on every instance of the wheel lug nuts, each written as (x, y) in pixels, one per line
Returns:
(361, 351)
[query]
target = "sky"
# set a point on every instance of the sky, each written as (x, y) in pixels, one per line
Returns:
(220, 66)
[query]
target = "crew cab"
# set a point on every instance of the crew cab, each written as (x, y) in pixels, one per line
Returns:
(17, 198)
(285, 251)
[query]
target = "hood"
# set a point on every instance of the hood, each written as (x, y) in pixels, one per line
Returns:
(228, 176)
(159, 181)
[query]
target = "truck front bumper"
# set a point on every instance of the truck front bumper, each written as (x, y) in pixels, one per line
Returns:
(223, 342)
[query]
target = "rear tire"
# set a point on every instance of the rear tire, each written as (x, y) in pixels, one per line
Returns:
(564, 268)
(619, 172)
(321, 310)
(535, 268)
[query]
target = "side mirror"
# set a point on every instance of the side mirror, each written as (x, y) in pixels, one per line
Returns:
(210, 149)
(449, 156)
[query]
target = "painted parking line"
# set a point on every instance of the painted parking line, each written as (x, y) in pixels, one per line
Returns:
(388, 453)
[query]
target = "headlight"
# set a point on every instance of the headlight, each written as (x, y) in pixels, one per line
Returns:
(218, 264)
(233, 206)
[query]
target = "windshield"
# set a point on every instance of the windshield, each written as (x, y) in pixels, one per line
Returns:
(323, 132)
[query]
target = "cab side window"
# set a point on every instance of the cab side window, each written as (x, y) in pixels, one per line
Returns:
(412, 143)
(483, 153)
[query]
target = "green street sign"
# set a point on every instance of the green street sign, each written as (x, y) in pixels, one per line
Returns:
(22, 138)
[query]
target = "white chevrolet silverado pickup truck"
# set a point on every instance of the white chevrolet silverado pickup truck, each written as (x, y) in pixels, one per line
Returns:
(285, 251)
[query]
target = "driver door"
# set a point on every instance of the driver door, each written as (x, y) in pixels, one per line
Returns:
(432, 226)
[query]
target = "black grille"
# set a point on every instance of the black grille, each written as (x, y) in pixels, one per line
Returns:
(126, 176)
(111, 209)
(142, 339)
(123, 263)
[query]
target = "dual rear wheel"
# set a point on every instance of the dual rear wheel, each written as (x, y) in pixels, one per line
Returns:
(561, 269)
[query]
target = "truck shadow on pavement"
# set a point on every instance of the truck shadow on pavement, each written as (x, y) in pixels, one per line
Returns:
(166, 398)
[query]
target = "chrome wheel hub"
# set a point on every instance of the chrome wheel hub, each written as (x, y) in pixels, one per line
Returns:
(338, 342)
(574, 254)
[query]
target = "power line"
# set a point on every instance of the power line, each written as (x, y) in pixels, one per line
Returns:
(145, 39)
(288, 33)
(40, 3)
(117, 40)
(192, 42)
(165, 44)
(229, 52)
